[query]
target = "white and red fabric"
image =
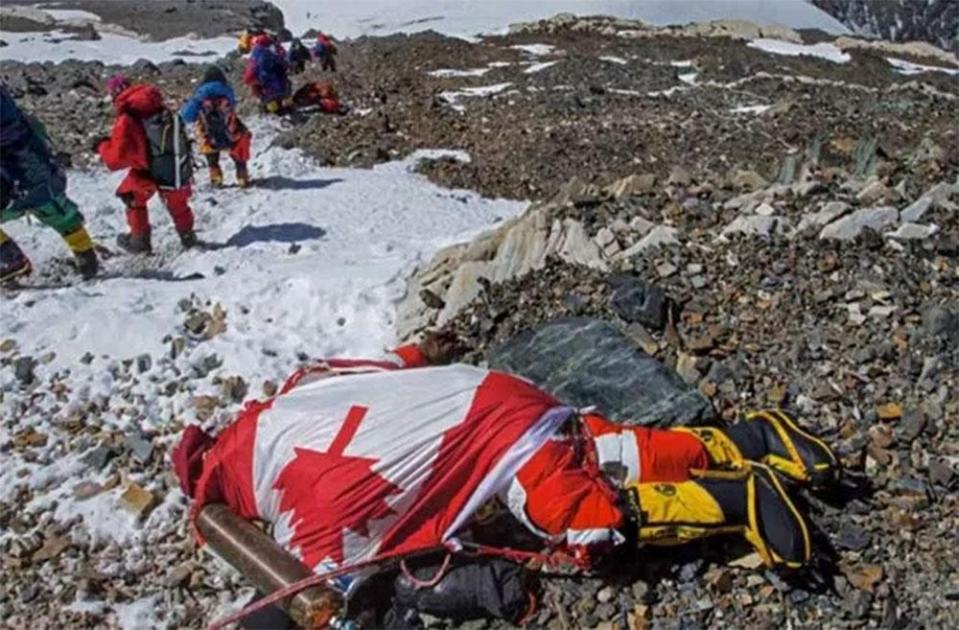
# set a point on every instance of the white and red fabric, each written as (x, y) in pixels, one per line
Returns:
(376, 461)
(562, 495)
(356, 460)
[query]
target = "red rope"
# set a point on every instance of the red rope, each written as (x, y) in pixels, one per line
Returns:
(433, 581)
(552, 560)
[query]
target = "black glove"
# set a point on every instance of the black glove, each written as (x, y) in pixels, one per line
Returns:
(97, 141)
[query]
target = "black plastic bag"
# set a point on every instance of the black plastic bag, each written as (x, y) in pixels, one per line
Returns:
(482, 589)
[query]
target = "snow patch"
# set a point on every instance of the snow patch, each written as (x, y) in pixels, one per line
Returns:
(538, 67)
(357, 232)
(437, 154)
(823, 50)
(907, 67)
(140, 613)
(452, 96)
(689, 78)
(750, 109)
(447, 72)
(71, 15)
(537, 50)
(59, 46)
(614, 59)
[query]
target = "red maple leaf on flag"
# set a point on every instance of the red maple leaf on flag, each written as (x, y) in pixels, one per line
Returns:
(330, 492)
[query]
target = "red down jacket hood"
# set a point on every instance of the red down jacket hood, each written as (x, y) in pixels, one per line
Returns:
(127, 146)
(139, 100)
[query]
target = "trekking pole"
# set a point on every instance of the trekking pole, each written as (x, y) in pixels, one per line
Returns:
(177, 156)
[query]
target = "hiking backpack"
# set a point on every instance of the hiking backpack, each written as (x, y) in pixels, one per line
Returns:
(171, 163)
(218, 121)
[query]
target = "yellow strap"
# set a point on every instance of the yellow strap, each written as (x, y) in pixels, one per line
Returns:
(788, 420)
(3, 237)
(752, 533)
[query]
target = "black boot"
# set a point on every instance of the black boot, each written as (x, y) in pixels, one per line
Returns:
(87, 263)
(135, 243)
(13, 262)
(188, 239)
(776, 439)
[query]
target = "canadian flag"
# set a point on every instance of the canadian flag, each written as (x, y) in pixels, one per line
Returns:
(368, 465)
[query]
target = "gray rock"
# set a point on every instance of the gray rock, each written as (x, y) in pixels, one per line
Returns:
(853, 538)
(941, 473)
(636, 301)
(605, 611)
(590, 362)
(633, 185)
(23, 369)
(98, 457)
(689, 571)
(857, 603)
(144, 363)
(938, 196)
(757, 224)
(915, 210)
(748, 180)
(206, 365)
(145, 66)
(913, 231)
(930, 369)
(911, 425)
(827, 214)
(658, 236)
(941, 321)
(849, 227)
(719, 373)
(139, 446)
(679, 176)
(641, 337)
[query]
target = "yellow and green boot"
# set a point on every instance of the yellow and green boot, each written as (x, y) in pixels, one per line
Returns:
(81, 245)
(751, 502)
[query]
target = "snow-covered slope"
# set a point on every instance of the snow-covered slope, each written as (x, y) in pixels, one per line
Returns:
(308, 263)
(358, 230)
(351, 18)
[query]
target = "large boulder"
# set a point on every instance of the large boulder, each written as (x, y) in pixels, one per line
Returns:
(589, 362)
(562, 229)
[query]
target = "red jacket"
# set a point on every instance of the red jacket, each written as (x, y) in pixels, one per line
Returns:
(127, 146)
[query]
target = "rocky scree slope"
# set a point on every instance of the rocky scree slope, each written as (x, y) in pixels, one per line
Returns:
(801, 255)
(806, 296)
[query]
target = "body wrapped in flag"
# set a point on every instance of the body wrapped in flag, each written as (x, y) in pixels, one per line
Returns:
(358, 460)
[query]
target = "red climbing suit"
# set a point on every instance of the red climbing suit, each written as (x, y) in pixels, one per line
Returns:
(128, 148)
